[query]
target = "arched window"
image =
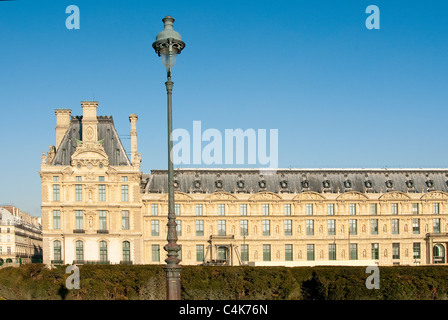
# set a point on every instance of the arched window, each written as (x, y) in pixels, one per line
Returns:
(57, 250)
(103, 251)
(126, 251)
(79, 250)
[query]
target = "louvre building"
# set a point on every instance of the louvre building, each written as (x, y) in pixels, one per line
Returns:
(98, 207)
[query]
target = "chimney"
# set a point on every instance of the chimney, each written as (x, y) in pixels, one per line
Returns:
(62, 124)
(133, 119)
(89, 122)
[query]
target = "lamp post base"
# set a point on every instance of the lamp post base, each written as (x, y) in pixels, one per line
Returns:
(173, 287)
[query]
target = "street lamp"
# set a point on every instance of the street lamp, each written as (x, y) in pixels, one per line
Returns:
(168, 45)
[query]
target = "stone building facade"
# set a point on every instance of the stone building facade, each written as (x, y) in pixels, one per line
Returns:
(98, 207)
(20, 236)
(91, 207)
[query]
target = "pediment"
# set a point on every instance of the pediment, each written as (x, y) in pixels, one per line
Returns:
(352, 195)
(435, 195)
(309, 195)
(265, 195)
(221, 196)
(90, 154)
(395, 195)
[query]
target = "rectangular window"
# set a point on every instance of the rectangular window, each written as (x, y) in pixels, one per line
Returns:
(435, 208)
(352, 207)
(154, 209)
(375, 251)
(78, 192)
(179, 227)
(155, 228)
(436, 225)
(331, 209)
(394, 208)
(331, 227)
(55, 179)
(56, 193)
(265, 208)
(310, 227)
(125, 193)
(373, 209)
(78, 178)
(266, 227)
(124, 179)
(56, 219)
(78, 219)
(102, 192)
(288, 252)
(353, 251)
(310, 252)
(177, 209)
(353, 227)
(125, 220)
(199, 252)
(155, 253)
(199, 227)
(221, 209)
(102, 220)
(395, 251)
(221, 227)
(374, 226)
(287, 208)
(244, 229)
(395, 226)
(416, 226)
(332, 251)
(266, 252)
(199, 209)
(416, 247)
(245, 252)
(101, 178)
(288, 227)
(309, 209)
(243, 209)
(415, 208)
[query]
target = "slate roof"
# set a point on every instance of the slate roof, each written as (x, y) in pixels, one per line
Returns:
(300, 180)
(106, 130)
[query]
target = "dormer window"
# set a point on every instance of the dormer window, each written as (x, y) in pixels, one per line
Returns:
(326, 184)
(218, 184)
(389, 184)
(430, 183)
(240, 184)
(305, 184)
(410, 184)
(262, 184)
(197, 184)
(347, 184)
(368, 184)
(283, 184)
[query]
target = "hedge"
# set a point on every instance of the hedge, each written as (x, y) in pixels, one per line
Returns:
(147, 282)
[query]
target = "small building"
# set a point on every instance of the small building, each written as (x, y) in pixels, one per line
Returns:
(20, 236)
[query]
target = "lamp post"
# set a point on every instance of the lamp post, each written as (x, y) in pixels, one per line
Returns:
(167, 45)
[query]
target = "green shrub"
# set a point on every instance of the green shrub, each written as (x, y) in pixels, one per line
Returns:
(35, 281)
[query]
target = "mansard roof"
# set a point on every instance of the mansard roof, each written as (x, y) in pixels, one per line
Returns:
(106, 130)
(300, 180)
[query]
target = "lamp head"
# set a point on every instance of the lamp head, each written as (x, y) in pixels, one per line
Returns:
(168, 43)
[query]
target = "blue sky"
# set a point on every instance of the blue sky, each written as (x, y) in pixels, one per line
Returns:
(339, 94)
